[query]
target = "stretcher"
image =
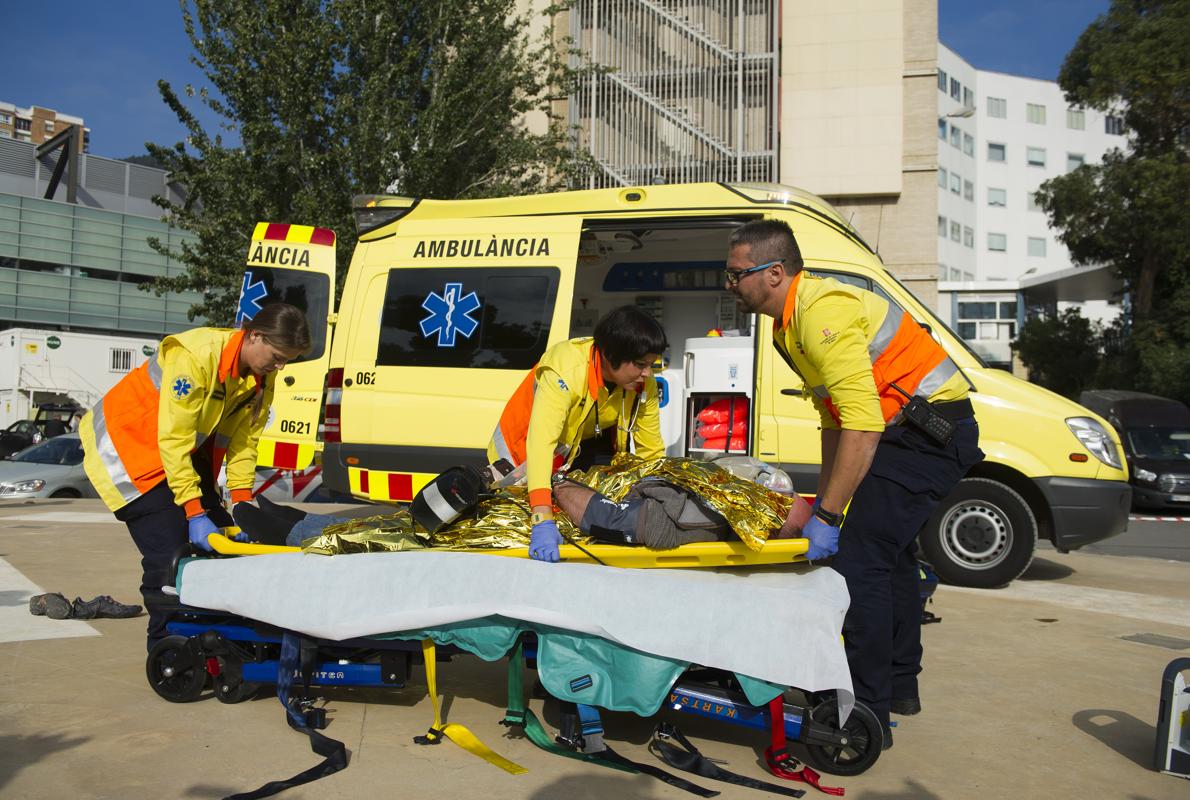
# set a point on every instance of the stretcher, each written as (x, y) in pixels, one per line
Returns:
(229, 634)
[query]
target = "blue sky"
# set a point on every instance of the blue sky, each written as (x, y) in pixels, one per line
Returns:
(101, 59)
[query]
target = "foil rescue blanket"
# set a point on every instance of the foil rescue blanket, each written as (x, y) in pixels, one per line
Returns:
(780, 625)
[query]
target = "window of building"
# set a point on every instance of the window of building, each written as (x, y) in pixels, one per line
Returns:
(969, 191)
(49, 127)
(1035, 156)
(1031, 201)
(968, 236)
(956, 89)
(968, 144)
(1037, 246)
(1076, 119)
(5, 118)
(942, 129)
(1113, 125)
(1074, 161)
(955, 136)
(956, 183)
(943, 272)
(121, 360)
(23, 124)
(956, 231)
(942, 177)
(996, 152)
(987, 320)
(5, 135)
(1035, 113)
(942, 226)
(997, 197)
(998, 107)
(941, 80)
(998, 242)
(968, 98)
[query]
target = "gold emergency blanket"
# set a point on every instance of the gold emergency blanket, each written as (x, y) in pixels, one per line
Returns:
(502, 520)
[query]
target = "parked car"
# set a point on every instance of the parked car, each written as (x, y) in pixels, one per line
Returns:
(53, 468)
(1155, 432)
(51, 420)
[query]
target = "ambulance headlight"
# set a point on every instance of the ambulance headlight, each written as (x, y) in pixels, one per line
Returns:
(1096, 439)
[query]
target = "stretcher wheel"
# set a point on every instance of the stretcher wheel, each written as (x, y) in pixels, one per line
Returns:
(230, 686)
(867, 739)
(176, 670)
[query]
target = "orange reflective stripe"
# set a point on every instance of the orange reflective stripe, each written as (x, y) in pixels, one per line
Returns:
(909, 357)
(513, 429)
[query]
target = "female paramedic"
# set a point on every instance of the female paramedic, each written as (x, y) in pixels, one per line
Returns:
(154, 444)
(598, 393)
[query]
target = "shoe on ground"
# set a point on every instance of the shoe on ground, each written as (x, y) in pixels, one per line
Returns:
(905, 706)
(52, 605)
(887, 745)
(103, 606)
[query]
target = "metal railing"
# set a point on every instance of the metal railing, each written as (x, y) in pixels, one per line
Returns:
(680, 90)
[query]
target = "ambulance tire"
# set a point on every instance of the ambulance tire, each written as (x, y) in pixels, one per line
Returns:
(176, 670)
(866, 734)
(982, 535)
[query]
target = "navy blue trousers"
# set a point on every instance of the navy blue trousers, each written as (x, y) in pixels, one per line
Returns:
(909, 477)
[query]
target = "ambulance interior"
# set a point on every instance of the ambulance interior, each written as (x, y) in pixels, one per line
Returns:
(675, 273)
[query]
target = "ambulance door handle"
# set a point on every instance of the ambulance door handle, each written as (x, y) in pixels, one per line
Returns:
(289, 380)
(792, 392)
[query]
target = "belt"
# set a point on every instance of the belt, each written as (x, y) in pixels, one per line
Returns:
(955, 410)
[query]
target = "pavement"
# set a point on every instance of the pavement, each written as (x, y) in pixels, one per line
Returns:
(1046, 689)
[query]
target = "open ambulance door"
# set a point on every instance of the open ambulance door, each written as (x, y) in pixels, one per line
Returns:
(789, 432)
(292, 264)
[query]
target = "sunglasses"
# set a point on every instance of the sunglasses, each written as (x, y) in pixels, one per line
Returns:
(733, 276)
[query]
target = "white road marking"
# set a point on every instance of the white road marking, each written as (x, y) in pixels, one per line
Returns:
(17, 624)
(1138, 518)
(61, 516)
(1132, 605)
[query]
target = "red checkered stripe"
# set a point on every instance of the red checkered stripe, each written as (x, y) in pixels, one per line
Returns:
(298, 234)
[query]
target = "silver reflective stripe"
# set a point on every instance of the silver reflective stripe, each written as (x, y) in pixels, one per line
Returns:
(437, 503)
(888, 329)
(109, 456)
(821, 391)
(501, 446)
(154, 370)
(933, 380)
(222, 441)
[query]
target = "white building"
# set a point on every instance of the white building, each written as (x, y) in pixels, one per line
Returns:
(999, 138)
(38, 366)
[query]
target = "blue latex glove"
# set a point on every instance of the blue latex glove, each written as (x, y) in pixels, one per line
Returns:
(201, 527)
(241, 537)
(544, 541)
(824, 539)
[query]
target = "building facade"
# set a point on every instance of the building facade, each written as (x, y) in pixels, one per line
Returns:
(37, 125)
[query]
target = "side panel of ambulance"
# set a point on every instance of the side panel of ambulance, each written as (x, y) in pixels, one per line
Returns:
(447, 314)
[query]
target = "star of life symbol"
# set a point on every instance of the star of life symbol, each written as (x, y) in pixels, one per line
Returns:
(182, 387)
(250, 296)
(450, 313)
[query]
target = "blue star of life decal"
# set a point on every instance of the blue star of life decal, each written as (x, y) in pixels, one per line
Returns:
(251, 293)
(182, 387)
(450, 313)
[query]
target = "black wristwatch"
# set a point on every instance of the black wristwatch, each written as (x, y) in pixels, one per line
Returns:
(834, 520)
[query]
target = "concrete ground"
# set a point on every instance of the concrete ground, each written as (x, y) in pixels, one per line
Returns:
(1047, 689)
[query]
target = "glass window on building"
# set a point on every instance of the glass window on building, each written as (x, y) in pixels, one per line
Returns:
(941, 80)
(956, 183)
(942, 226)
(1076, 119)
(968, 144)
(24, 124)
(969, 191)
(997, 197)
(956, 231)
(942, 129)
(968, 237)
(5, 118)
(1037, 246)
(998, 242)
(968, 98)
(987, 320)
(998, 107)
(943, 272)
(956, 88)
(1113, 125)
(1035, 113)
(1074, 161)
(1031, 202)
(955, 136)
(49, 127)
(1035, 156)
(997, 152)
(942, 177)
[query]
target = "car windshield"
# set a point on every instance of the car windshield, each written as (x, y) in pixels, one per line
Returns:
(67, 452)
(1164, 443)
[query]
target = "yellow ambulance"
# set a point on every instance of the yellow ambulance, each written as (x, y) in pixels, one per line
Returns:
(447, 304)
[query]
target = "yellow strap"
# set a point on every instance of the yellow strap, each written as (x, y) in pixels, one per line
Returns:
(457, 733)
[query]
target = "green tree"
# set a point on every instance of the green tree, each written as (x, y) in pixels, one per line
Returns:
(326, 99)
(1061, 352)
(1129, 210)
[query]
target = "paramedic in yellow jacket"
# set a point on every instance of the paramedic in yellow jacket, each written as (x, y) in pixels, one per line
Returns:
(155, 443)
(583, 401)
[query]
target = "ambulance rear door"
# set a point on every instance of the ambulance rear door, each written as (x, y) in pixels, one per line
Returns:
(292, 264)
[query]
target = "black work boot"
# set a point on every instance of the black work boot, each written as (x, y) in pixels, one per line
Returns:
(905, 706)
(103, 606)
(52, 605)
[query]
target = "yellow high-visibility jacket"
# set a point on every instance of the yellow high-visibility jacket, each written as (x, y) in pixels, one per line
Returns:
(559, 403)
(188, 396)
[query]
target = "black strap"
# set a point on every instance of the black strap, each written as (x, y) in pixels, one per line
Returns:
(686, 757)
(333, 752)
(607, 754)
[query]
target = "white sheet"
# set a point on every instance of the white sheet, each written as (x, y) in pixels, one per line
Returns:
(778, 624)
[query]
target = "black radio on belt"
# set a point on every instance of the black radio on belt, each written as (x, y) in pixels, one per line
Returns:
(919, 413)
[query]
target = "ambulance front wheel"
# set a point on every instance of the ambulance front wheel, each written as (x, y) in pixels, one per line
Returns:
(176, 670)
(865, 740)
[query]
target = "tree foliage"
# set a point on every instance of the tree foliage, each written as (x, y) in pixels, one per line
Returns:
(1061, 352)
(321, 100)
(1130, 210)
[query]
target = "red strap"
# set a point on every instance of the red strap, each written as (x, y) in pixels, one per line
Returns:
(780, 762)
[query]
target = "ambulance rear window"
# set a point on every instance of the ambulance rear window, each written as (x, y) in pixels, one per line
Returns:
(309, 291)
(497, 318)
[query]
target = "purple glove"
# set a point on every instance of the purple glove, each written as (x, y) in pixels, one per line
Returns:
(824, 539)
(544, 541)
(200, 527)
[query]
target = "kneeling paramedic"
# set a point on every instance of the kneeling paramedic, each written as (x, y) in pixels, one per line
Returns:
(898, 433)
(154, 444)
(597, 395)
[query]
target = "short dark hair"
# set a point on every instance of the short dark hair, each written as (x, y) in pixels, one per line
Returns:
(769, 240)
(628, 334)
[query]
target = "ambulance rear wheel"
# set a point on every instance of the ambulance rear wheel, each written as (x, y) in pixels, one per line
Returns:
(176, 670)
(865, 734)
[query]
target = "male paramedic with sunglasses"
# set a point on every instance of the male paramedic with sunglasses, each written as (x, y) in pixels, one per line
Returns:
(898, 433)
